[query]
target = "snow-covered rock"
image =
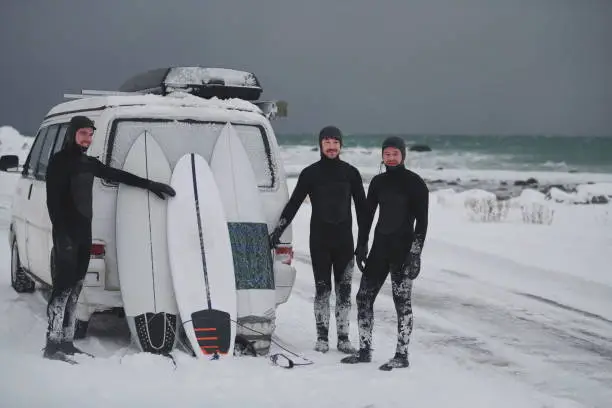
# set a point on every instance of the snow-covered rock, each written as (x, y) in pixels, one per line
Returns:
(12, 142)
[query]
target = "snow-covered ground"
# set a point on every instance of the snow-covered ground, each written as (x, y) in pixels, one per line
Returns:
(507, 314)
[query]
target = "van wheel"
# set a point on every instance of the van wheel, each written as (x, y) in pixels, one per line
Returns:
(80, 329)
(19, 280)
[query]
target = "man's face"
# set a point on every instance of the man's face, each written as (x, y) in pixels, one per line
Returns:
(330, 147)
(392, 156)
(83, 137)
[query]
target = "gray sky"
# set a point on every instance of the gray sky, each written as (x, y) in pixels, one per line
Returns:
(433, 66)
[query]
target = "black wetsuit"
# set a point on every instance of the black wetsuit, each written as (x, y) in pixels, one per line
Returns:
(69, 183)
(330, 184)
(403, 199)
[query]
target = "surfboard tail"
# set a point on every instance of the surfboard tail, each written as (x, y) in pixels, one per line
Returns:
(155, 332)
(213, 331)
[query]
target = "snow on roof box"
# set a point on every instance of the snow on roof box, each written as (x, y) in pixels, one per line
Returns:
(222, 83)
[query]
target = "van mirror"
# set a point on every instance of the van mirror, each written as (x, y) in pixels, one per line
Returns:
(9, 161)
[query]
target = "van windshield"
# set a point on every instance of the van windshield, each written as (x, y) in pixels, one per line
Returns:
(177, 138)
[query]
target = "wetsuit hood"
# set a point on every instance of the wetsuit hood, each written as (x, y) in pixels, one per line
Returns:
(395, 169)
(326, 161)
(398, 143)
(76, 123)
(329, 132)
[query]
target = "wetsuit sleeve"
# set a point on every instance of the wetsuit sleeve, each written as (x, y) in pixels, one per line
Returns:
(359, 196)
(421, 211)
(103, 171)
(301, 190)
(370, 205)
(57, 185)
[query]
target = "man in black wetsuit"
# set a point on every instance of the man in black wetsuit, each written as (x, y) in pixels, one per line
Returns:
(403, 201)
(330, 183)
(70, 175)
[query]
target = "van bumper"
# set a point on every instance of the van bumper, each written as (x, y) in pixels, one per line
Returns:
(284, 278)
(96, 273)
(94, 299)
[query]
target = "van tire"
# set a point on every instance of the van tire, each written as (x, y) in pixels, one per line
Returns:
(20, 281)
(80, 329)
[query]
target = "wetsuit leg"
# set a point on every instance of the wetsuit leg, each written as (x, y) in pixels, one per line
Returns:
(375, 274)
(343, 264)
(83, 256)
(64, 278)
(70, 263)
(70, 312)
(320, 254)
(55, 314)
(402, 297)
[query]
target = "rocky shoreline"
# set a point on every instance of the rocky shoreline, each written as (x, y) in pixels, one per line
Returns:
(507, 189)
(574, 192)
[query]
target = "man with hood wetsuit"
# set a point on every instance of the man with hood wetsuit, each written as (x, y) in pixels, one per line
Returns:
(330, 183)
(70, 175)
(402, 198)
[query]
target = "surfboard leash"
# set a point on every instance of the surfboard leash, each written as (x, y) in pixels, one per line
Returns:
(274, 358)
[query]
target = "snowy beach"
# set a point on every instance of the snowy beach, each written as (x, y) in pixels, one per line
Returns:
(510, 310)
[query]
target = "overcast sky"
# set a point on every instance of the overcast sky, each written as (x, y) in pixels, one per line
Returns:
(433, 66)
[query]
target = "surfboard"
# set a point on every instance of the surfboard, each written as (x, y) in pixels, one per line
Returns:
(142, 253)
(248, 231)
(201, 259)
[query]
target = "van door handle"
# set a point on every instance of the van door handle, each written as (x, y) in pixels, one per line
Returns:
(30, 191)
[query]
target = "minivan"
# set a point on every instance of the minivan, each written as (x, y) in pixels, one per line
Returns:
(185, 109)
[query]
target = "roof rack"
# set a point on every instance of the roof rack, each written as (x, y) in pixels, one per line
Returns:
(270, 109)
(203, 82)
(88, 93)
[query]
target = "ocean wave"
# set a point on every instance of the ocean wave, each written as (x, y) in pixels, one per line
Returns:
(369, 159)
(502, 175)
(520, 153)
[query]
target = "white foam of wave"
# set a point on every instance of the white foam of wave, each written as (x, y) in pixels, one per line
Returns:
(446, 167)
(370, 157)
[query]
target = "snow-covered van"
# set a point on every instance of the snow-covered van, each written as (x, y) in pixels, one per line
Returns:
(185, 108)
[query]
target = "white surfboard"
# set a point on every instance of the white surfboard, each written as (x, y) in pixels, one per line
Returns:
(201, 259)
(249, 236)
(142, 253)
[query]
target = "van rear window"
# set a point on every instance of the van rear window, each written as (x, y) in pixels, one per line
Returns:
(178, 137)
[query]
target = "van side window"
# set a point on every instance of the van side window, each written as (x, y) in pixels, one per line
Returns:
(30, 165)
(59, 142)
(41, 169)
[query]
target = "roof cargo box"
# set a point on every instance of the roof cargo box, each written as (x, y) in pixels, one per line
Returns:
(222, 83)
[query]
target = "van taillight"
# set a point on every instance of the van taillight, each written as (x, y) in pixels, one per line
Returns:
(284, 254)
(97, 251)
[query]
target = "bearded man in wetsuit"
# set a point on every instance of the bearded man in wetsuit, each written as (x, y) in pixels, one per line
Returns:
(402, 198)
(330, 183)
(70, 175)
